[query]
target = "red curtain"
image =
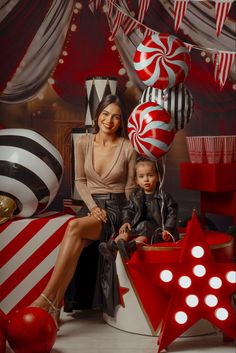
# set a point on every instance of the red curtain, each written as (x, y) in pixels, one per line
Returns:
(89, 54)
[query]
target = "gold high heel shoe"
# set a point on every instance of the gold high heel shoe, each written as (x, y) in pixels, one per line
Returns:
(52, 310)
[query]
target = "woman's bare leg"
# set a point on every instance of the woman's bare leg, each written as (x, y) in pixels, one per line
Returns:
(74, 240)
(69, 275)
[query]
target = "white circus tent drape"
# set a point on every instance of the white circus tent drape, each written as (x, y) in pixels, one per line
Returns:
(44, 37)
(42, 54)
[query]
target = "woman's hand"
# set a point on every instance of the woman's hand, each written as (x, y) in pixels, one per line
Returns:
(99, 213)
(126, 227)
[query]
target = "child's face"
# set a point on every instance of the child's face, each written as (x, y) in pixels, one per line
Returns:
(147, 177)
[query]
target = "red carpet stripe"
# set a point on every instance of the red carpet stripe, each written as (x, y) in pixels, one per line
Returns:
(31, 295)
(21, 239)
(21, 285)
(33, 261)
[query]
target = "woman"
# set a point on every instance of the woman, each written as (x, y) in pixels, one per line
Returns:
(104, 177)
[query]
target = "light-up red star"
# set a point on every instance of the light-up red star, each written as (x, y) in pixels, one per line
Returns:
(122, 291)
(142, 268)
(199, 288)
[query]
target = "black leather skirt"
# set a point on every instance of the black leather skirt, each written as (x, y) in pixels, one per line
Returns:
(95, 282)
(112, 203)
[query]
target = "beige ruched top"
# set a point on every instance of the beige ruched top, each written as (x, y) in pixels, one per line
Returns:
(117, 178)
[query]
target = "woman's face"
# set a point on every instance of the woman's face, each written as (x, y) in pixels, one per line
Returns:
(109, 120)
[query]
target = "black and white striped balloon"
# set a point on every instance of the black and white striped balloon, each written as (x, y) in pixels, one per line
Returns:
(31, 170)
(178, 101)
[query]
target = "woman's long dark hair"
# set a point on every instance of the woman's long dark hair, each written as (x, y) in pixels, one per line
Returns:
(111, 98)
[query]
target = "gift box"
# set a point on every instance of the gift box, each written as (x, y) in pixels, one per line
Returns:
(208, 177)
(29, 249)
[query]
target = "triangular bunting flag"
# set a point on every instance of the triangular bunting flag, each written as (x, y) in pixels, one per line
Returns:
(91, 5)
(97, 4)
(110, 8)
(222, 8)
(142, 9)
(189, 46)
(223, 62)
(215, 58)
(148, 32)
(94, 5)
(180, 8)
(129, 25)
(117, 22)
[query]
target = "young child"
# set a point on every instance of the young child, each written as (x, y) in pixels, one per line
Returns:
(150, 216)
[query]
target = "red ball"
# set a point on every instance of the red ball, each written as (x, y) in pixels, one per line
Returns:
(162, 61)
(3, 321)
(31, 330)
(150, 130)
(2, 342)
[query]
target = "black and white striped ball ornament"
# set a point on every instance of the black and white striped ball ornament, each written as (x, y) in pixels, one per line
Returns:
(31, 170)
(178, 101)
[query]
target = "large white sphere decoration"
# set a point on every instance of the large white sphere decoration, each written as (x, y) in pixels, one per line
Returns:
(31, 170)
(178, 101)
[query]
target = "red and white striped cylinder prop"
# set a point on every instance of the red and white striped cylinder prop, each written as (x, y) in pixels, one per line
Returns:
(150, 130)
(178, 101)
(31, 170)
(29, 248)
(96, 89)
(162, 61)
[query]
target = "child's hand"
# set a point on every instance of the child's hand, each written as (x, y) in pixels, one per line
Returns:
(124, 228)
(166, 235)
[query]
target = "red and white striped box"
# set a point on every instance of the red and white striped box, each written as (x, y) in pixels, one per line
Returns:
(213, 146)
(29, 249)
(196, 151)
(229, 148)
(72, 206)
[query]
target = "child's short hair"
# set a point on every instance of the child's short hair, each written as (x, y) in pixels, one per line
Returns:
(141, 159)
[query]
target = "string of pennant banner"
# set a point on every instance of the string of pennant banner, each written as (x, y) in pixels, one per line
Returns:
(222, 59)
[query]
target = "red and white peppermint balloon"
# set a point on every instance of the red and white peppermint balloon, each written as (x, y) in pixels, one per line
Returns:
(150, 130)
(162, 61)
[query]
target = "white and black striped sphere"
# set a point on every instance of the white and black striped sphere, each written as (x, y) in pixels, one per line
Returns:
(31, 170)
(178, 101)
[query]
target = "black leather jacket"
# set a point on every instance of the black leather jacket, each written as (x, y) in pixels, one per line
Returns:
(132, 213)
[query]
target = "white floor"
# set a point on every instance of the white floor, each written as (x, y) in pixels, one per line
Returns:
(86, 332)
